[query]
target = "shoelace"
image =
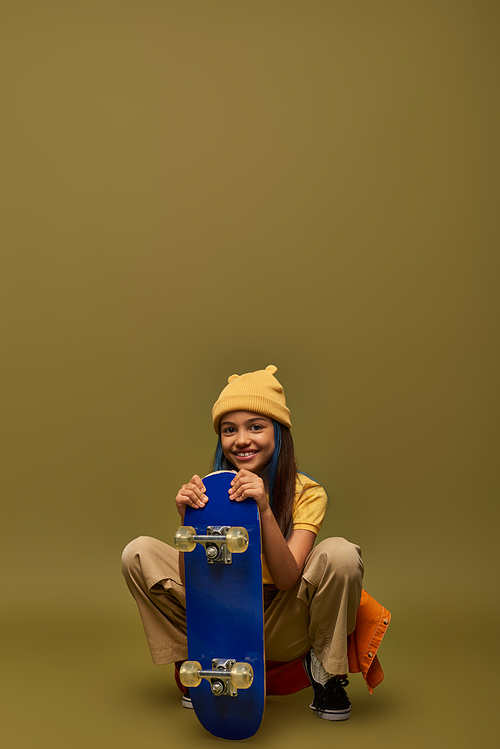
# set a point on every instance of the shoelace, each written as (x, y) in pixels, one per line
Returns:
(335, 692)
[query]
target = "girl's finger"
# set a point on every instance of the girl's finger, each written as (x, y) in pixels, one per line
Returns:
(200, 485)
(195, 498)
(196, 489)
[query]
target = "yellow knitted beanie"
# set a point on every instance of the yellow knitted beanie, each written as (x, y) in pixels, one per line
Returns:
(254, 391)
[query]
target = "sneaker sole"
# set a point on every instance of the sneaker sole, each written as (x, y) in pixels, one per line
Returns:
(187, 702)
(332, 714)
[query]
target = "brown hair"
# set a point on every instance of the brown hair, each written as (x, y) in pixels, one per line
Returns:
(283, 493)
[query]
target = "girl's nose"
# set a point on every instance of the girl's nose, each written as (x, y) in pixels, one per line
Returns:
(242, 438)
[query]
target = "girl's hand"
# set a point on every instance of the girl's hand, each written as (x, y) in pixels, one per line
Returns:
(247, 484)
(192, 495)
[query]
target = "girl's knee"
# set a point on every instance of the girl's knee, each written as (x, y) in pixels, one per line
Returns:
(132, 553)
(342, 556)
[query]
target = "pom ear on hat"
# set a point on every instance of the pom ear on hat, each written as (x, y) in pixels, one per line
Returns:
(258, 391)
(270, 368)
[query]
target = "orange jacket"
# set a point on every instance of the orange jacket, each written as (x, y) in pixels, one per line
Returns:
(371, 625)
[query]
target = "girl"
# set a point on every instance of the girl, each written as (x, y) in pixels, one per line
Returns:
(311, 595)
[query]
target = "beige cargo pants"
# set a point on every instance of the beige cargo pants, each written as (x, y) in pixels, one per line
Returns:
(318, 612)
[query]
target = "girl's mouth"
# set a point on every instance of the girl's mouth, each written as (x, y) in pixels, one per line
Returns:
(248, 455)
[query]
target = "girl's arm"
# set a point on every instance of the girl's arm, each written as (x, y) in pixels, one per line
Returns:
(285, 559)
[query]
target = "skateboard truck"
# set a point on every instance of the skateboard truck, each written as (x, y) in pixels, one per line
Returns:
(225, 677)
(220, 542)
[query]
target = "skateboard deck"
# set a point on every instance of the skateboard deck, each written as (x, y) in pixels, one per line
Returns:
(225, 619)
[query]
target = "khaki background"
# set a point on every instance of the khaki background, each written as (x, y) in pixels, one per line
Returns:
(193, 189)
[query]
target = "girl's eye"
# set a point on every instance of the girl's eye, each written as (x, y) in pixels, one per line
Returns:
(258, 427)
(228, 430)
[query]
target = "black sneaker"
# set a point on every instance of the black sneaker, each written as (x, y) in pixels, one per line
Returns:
(187, 701)
(330, 700)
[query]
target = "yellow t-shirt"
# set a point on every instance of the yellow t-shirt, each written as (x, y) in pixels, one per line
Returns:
(308, 511)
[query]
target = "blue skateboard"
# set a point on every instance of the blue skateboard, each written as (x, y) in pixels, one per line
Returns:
(225, 672)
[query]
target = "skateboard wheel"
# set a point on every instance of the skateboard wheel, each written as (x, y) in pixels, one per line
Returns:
(189, 673)
(237, 540)
(184, 538)
(242, 675)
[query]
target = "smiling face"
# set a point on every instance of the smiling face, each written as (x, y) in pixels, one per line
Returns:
(247, 440)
